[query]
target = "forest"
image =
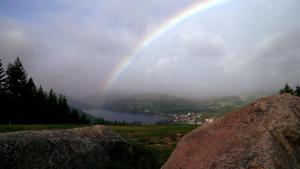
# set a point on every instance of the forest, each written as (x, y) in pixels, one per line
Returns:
(22, 102)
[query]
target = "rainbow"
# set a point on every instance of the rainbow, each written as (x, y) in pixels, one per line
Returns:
(150, 37)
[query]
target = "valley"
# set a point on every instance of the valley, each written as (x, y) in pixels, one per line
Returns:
(172, 109)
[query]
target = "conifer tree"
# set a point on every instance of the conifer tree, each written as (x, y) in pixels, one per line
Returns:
(2, 79)
(22, 102)
(297, 91)
(30, 87)
(62, 103)
(41, 96)
(286, 89)
(52, 97)
(30, 97)
(16, 78)
(3, 96)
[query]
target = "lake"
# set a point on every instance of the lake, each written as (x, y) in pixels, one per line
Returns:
(127, 117)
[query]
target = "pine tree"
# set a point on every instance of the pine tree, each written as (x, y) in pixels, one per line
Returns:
(41, 97)
(83, 119)
(30, 98)
(297, 91)
(52, 108)
(30, 87)
(16, 85)
(16, 78)
(2, 79)
(3, 85)
(22, 102)
(62, 103)
(4, 102)
(286, 89)
(41, 105)
(52, 99)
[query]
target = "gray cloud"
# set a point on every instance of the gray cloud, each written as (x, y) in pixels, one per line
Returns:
(13, 39)
(235, 48)
(277, 58)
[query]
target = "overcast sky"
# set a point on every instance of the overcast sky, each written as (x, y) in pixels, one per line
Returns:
(73, 46)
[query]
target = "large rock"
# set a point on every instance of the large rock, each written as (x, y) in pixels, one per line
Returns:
(89, 147)
(263, 135)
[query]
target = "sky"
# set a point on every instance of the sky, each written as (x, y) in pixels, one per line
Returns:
(75, 46)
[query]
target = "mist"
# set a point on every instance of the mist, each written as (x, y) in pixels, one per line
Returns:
(74, 46)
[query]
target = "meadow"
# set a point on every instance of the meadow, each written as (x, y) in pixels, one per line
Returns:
(157, 140)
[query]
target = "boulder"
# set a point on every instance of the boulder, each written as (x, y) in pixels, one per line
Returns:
(94, 147)
(262, 135)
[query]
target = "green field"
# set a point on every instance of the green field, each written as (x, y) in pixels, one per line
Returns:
(156, 140)
(22, 127)
(159, 139)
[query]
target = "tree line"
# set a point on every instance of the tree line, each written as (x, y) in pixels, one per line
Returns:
(23, 103)
(288, 89)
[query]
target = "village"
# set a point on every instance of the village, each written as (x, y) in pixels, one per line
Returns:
(190, 118)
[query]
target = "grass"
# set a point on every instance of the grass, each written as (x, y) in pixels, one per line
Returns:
(21, 127)
(158, 139)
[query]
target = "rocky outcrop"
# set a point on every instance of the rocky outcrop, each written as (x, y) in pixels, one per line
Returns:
(89, 147)
(263, 135)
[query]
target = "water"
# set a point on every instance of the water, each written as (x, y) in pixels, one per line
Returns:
(127, 117)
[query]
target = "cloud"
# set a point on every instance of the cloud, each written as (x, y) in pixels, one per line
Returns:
(74, 46)
(278, 58)
(188, 57)
(13, 39)
(268, 65)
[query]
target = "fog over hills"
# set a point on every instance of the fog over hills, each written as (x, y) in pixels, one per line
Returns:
(155, 103)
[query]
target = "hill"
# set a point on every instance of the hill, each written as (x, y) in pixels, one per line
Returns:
(265, 134)
(167, 104)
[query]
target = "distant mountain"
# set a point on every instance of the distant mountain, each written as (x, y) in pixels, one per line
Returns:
(76, 103)
(152, 103)
(166, 104)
